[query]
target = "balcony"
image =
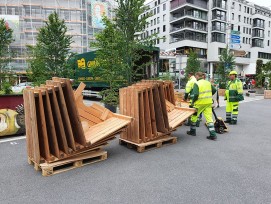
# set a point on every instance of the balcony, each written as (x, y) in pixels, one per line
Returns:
(257, 35)
(219, 29)
(188, 35)
(188, 14)
(258, 25)
(220, 18)
(182, 27)
(257, 43)
(220, 5)
(178, 3)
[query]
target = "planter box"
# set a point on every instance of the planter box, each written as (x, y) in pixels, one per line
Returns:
(267, 94)
(221, 92)
(11, 115)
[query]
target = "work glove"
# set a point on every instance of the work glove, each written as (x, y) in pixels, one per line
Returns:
(191, 106)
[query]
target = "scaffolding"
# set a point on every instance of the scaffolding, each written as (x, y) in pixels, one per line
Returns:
(33, 14)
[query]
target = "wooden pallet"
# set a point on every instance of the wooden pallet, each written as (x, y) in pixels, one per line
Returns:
(87, 158)
(142, 147)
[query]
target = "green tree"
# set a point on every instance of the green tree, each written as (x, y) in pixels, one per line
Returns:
(226, 64)
(130, 22)
(259, 73)
(266, 72)
(193, 63)
(49, 57)
(109, 66)
(6, 39)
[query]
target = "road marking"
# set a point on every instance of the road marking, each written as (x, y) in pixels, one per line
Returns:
(12, 139)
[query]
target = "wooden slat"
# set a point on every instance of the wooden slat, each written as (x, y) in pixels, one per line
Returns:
(141, 117)
(28, 129)
(77, 128)
(50, 126)
(60, 133)
(42, 130)
(147, 116)
(34, 127)
(64, 114)
(79, 90)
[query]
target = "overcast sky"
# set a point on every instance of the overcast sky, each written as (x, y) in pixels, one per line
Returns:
(266, 3)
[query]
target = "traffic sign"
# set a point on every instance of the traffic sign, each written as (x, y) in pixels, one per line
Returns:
(235, 32)
(234, 41)
(239, 53)
(235, 37)
(235, 46)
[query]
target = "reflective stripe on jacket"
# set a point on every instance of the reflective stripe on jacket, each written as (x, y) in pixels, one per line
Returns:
(190, 84)
(234, 88)
(205, 92)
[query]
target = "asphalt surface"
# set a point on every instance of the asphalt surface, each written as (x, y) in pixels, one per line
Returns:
(234, 169)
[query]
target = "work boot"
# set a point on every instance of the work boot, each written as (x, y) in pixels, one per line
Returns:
(227, 121)
(211, 137)
(233, 122)
(191, 132)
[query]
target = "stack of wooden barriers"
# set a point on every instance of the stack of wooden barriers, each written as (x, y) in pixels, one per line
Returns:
(61, 132)
(151, 104)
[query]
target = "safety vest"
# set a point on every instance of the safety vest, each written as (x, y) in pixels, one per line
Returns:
(190, 85)
(234, 88)
(205, 92)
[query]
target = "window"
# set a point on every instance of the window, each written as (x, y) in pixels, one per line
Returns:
(158, 41)
(243, 39)
(232, 26)
(247, 30)
(269, 33)
(249, 40)
(240, 7)
(154, 21)
(164, 28)
(219, 26)
(164, 38)
(264, 55)
(164, 17)
(250, 31)
(269, 23)
(246, 40)
(239, 18)
(244, 29)
(257, 43)
(233, 4)
(221, 15)
(250, 21)
(239, 28)
(155, 3)
(245, 19)
(158, 20)
(247, 10)
(158, 9)
(250, 10)
(218, 37)
(268, 42)
(154, 11)
(232, 16)
(164, 7)
(158, 30)
(151, 22)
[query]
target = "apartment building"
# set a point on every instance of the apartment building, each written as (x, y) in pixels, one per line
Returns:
(25, 17)
(207, 27)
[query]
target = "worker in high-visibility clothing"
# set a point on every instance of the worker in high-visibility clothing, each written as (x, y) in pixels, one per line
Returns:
(233, 94)
(189, 91)
(202, 101)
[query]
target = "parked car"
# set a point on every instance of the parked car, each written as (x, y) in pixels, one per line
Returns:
(21, 86)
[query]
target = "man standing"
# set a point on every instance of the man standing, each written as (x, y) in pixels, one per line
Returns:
(233, 94)
(189, 90)
(202, 100)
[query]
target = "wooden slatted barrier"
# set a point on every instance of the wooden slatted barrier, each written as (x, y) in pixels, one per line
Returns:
(152, 105)
(60, 128)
